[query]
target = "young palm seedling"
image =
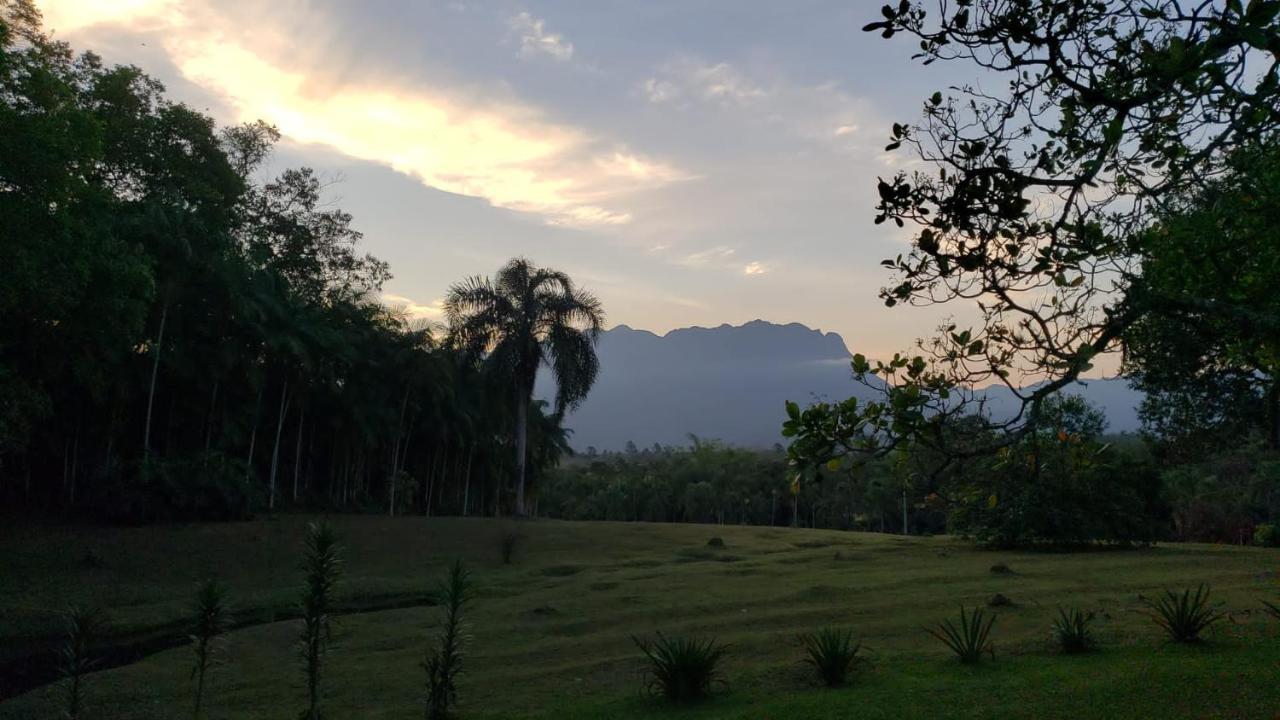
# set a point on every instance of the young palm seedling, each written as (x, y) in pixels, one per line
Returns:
(1184, 616)
(832, 653)
(83, 628)
(320, 566)
(969, 640)
(212, 620)
(444, 662)
(1072, 631)
(682, 669)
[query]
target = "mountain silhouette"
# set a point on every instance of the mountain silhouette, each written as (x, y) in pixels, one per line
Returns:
(731, 382)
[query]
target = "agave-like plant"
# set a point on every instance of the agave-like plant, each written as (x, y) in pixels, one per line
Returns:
(969, 640)
(682, 669)
(832, 653)
(1072, 630)
(212, 620)
(1184, 616)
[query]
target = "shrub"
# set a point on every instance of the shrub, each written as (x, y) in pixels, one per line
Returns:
(84, 626)
(1072, 631)
(212, 620)
(1271, 609)
(1001, 569)
(444, 663)
(1186, 615)
(1266, 535)
(971, 639)
(682, 669)
(507, 543)
(320, 567)
(833, 653)
(716, 542)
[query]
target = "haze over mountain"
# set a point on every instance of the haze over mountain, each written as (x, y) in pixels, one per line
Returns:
(731, 382)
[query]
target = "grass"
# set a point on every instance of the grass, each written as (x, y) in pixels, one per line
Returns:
(558, 643)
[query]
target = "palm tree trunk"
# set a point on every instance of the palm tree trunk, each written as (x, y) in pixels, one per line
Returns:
(155, 370)
(522, 441)
(275, 451)
(208, 428)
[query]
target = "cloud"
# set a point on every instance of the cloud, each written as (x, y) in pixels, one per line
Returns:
(507, 153)
(711, 256)
(755, 268)
(690, 79)
(535, 40)
(433, 310)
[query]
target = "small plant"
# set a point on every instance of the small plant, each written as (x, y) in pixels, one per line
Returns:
(1271, 609)
(682, 669)
(971, 639)
(1185, 615)
(1001, 569)
(1266, 535)
(83, 625)
(833, 653)
(212, 620)
(716, 542)
(320, 566)
(507, 543)
(1072, 631)
(444, 663)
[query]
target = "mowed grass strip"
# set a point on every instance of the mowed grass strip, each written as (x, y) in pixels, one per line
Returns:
(552, 631)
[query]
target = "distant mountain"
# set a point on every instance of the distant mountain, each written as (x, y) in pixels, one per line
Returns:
(730, 383)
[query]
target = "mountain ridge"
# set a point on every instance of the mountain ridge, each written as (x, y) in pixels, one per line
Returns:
(730, 383)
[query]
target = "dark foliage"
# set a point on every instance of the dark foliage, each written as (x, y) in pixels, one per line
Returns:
(971, 638)
(1072, 631)
(211, 622)
(83, 628)
(1186, 615)
(832, 653)
(321, 567)
(682, 669)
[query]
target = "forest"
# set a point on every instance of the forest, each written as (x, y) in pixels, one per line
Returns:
(182, 339)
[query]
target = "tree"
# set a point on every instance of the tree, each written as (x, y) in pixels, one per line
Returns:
(1210, 361)
(524, 318)
(1040, 197)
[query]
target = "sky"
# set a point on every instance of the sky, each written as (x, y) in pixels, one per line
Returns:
(693, 162)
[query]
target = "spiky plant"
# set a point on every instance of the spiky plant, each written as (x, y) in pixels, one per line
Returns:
(1072, 630)
(969, 640)
(832, 653)
(1184, 616)
(211, 622)
(321, 567)
(83, 627)
(682, 669)
(444, 662)
(1271, 609)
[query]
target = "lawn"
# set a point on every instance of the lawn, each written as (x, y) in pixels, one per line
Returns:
(552, 631)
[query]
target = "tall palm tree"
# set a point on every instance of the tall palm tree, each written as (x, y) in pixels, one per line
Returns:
(521, 319)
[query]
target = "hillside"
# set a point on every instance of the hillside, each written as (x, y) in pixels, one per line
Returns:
(730, 383)
(550, 634)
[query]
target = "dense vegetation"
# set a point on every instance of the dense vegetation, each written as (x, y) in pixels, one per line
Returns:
(182, 338)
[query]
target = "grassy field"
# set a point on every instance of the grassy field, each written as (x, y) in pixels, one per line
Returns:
(552, 631)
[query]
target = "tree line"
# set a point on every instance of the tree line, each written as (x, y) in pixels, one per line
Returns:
(181, 337)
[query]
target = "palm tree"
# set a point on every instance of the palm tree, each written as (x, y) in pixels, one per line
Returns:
(521, 319)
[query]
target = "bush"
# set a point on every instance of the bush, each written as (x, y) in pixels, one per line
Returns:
(205, 487)
(1072, 631)
(1266, 535)
(833, 653)
(971, 639)
(1185, 616)
(444, 663)
(680, 669)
